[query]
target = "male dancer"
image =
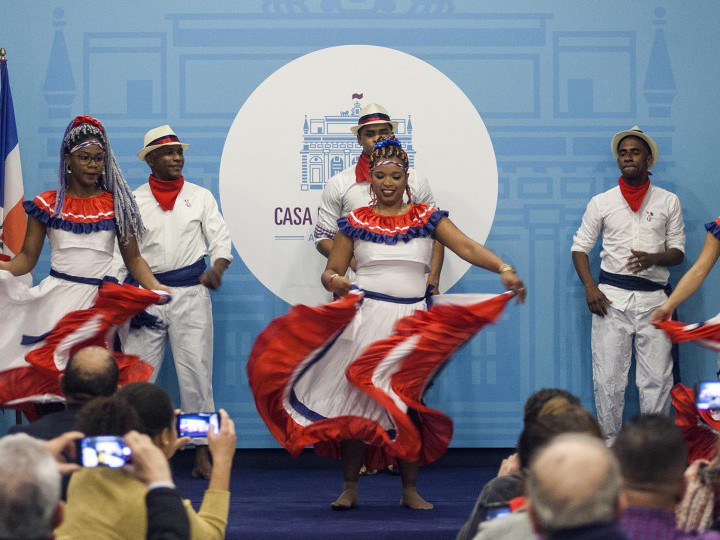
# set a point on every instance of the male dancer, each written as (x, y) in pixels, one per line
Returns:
(183, 226)
(643, 234)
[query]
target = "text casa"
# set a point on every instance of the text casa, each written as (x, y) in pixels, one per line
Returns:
(293, 215)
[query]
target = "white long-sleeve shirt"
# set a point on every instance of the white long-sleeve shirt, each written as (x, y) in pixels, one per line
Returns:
(343, 193)
(656, 227)
(193, 229)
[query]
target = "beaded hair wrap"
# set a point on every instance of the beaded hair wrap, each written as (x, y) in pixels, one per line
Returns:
(127, 215)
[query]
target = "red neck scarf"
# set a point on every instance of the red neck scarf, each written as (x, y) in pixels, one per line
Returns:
(634, 195)
(166, 191)
(362, 169)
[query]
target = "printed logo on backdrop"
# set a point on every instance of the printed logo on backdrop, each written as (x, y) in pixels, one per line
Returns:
(293, 134)
(329, 147)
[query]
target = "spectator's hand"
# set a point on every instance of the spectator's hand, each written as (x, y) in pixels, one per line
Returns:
(212, 279)
(180, 442)
(663, 313)
(513, 283)
(64, 451)
(509, 465)
(640, 260)
(149, 464)
(597, 302)
(222, 445)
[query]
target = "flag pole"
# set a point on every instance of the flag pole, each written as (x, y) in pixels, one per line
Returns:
(2, 220)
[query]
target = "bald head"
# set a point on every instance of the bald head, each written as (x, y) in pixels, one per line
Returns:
(90, 372)
(573, 481)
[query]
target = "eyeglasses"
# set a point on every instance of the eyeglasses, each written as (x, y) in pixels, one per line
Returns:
(85, 159)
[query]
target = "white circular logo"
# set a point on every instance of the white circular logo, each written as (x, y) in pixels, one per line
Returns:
(293, 133)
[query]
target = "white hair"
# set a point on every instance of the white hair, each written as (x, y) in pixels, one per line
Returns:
(574, 481)
(29, 488)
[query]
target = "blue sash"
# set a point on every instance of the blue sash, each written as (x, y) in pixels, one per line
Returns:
(187, 276)
(395, 299)
(630, 283)
(76, 279)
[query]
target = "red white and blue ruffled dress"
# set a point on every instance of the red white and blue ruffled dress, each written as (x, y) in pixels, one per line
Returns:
(700, 428)
(357, 368)
(82, 242)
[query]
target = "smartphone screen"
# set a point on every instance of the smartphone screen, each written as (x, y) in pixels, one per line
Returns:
(197, 424)
(103, 451)
(496, 510)
(707, 395)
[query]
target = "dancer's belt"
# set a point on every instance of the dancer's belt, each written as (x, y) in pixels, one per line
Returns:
(631, 283)
(395, 299)
(77, 279)
(187, 276)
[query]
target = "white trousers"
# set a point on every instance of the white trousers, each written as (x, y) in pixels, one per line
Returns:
(614, 337)
(187, 321)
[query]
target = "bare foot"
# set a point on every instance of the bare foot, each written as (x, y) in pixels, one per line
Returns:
(348, 498)
(203, 466)
(413, 500)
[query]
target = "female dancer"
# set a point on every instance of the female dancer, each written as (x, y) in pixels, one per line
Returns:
(391, 241)
(92, 205)
(695, 276)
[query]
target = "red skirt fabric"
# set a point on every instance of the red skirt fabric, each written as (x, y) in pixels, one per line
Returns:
(394, 372)
(698, 427)
(94, 326)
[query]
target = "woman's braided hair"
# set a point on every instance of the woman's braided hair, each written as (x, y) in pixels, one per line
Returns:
(127, 214)
(388, 147)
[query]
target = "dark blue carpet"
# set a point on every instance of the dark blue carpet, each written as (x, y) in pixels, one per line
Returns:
(276, 497)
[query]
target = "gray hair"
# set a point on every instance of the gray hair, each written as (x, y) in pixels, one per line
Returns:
(29, 488)
(574, 481)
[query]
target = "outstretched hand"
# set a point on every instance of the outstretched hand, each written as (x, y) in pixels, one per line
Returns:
(663, 313)
(514, 284)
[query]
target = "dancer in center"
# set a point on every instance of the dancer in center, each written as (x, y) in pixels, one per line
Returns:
(391, 241)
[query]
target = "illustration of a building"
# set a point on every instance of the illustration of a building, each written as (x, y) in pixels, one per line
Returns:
(329, 146)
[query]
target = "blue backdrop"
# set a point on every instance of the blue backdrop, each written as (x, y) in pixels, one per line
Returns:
(552, 81)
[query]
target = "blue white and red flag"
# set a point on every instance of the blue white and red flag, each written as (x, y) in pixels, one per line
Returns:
(12, 216)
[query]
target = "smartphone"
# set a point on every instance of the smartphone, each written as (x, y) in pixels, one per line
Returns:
(707, 395)
(197, 424)
(103, 451)
(495, 510)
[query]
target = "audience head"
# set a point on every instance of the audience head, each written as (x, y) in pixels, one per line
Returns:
(537, 433)
(573, 481)
(29, 488)
(107, 416)
(90, 372)
(652, 454)
(536, 401)
(155, 410)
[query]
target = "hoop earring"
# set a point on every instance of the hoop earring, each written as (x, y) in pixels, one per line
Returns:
(409, 193)
(373, 197)
(68, 170)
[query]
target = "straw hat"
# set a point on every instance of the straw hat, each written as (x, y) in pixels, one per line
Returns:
(157, 137)
(372, 113)
(635, 131)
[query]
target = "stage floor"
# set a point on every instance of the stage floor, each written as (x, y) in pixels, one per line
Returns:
(274, 497)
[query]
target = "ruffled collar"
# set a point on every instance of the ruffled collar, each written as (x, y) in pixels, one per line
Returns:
(365, 224)
(81, 216)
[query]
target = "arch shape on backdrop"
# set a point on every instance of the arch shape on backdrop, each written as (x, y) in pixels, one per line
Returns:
(300, 117)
